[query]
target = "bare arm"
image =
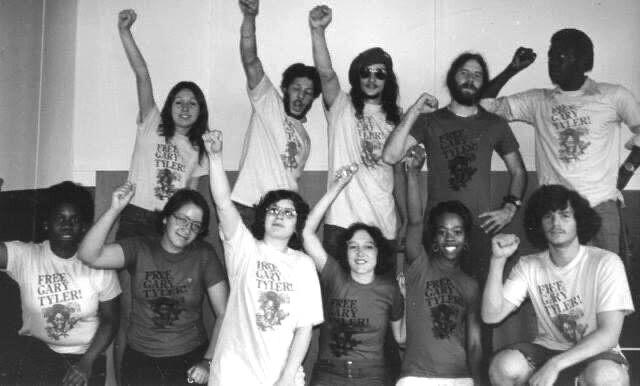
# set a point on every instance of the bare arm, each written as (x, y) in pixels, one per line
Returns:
(396, 143)
(494, 307)
(399, 330)
(227, 212)
(522, 58)
(312, 244)
(414, 162)
(126, 18)
(92, 249)
(4, 260)
(297, 351)
(109, 314)
(248, 46)
(319, 18)
(628, 167)
(474, 346)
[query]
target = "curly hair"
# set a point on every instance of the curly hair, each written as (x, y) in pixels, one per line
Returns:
(578, 41)
(300, 70)
(167, 126)
(455, 207)
(551, 198)
(180, 198)
(384, 246)
(390, 92)
(270, 198)
(66, 192)
(459, 62)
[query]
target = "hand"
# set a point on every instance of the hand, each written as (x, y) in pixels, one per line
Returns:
(546, 375)
(78, 374)
(122, 195)
(497, 219)
(320, 17)
(402, 283)
(249, 7)
(504, 245)
(126, 18)
(199, 373)
(414, 158)
(426, 103)
(344, 174)
(522, 58)
(213, 142)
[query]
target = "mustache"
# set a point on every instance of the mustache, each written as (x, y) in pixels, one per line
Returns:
(469, 85)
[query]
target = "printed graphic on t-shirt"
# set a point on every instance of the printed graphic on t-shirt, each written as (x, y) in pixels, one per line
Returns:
(345, 323)
(564, 311)
(59, 319)
(371, 142)
(292, 150)
(444, 302)
(170, 167)
(460, 152)
(270, 281)
(572, 127)
(166, 311)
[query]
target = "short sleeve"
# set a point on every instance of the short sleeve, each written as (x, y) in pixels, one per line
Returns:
(130, 247)
(507, 142)
(613, 287)
(515, 288)
(312, 312)
(150, 122)
(397, 303)
(213, 271)
(627, 108)
(263, 89)
(109, 286)
(17, 255)
(419, 129)
(238, 247)
(331, 271)
(516, 107)
(341, 103)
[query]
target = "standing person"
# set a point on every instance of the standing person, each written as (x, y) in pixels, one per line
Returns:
(69, 310)
(275, 295)
(577, 126)
(358, 126)
(460, 140)
(443, 332)
(276, 146)
(168, 154)
(170, 275)
(580, 295)
(360, 302)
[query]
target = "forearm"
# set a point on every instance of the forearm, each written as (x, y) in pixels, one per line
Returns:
(297, 351)
(518, 183)
(91, 247)
(397, 141)
(628, 167)
(598, 341)
(474, 358)
(136, 60)
(321, 56)
(104, 335)
(214, 337)
(219, 183)
(414, 201)
(495, 85)
(492, 297)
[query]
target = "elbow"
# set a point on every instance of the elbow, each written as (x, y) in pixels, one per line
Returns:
(389, 157)
(489, 317)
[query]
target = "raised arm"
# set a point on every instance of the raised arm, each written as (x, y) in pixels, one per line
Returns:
(126, 18)
(494, 221)
(248, 47)
(522, 58)
(92, 249)
(227, 212)
(319, 18)
(494, 307)
(312, 244)
(414, 161)
(396, 143)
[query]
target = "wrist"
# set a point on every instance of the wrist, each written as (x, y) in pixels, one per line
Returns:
(511, 201)
(206, 362)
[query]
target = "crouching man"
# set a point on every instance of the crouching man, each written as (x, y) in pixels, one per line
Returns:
(580, 295)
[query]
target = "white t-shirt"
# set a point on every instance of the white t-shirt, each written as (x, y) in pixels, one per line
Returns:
(368, 198)
(159, 166)
(59, 296)
(272, 294)
(577, 134)
(567, 299)
(275, 150)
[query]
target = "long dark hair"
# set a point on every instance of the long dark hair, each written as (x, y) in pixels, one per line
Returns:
(167, 126)
(385, 249)
(459, 62)
(270, 198)
(390, 92)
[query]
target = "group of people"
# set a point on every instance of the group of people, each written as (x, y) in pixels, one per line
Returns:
(278, 279)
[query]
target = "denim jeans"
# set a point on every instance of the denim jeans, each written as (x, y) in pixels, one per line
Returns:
(608, 237)
(141, 369)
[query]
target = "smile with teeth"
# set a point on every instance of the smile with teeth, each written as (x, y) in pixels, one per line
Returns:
(450, 248)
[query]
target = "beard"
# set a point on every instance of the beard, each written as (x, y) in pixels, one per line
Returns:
(459, 95)
(287, 108)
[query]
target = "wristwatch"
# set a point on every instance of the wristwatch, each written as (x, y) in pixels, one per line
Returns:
(511, 199)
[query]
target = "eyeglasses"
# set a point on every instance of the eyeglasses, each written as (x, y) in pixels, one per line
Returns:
(277, 211)
(184, 222)
(379, 73)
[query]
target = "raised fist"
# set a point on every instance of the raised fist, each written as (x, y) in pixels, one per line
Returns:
(122, 195)
(249, 7)
(212, 141)
(344, 174)
(426, 103)
(320, 16)
(126, 18)
(522, 58)
(504, 245)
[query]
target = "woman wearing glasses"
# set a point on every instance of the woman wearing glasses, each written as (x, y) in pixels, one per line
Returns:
(170, 274)
(275, 295)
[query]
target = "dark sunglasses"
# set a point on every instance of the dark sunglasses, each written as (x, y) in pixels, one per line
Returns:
(379, 73)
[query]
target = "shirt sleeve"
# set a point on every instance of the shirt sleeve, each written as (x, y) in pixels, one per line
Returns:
(213, 271)
(130, 247)
(341, 103)
(507, 142)
(150, 122)
(397, 303)
(613, 287)
(515, 288)
(238, 248)
(516, 107)
(202, 167)
(109, 285)
(627, 108)
(17, 255)
(419, 129)
(312, 314)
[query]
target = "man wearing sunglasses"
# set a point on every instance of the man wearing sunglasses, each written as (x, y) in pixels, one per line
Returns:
(358, 125)
(577, 125)
(276, 146)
